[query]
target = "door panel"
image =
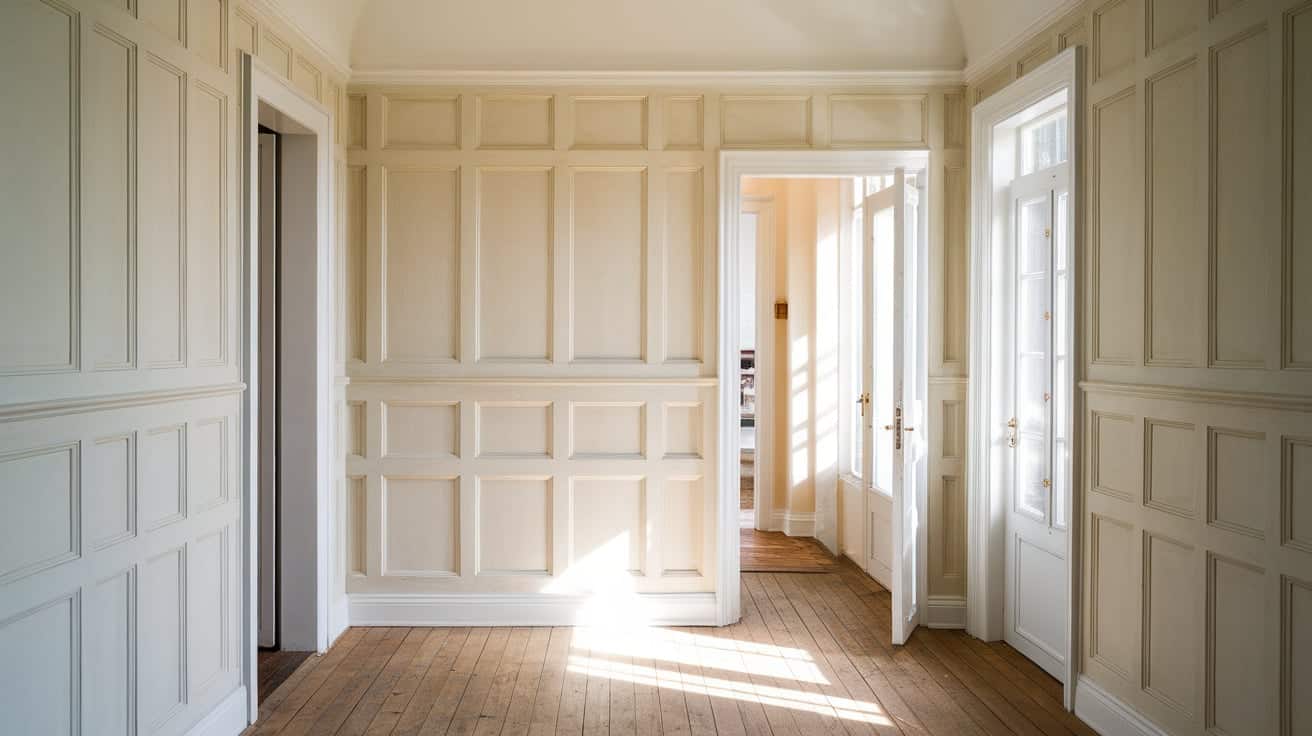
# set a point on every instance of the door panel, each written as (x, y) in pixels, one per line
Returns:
(1035, 616)
(895, 461)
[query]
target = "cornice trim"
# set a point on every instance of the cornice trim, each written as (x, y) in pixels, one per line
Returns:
(270, 8)
(525, 78)
(977, 68)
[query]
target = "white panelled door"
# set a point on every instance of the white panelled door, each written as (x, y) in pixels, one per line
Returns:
(894, 442)
(1038, 431)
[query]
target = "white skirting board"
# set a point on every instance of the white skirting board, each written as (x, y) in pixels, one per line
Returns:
(1108, 715)
(794, 524)
(945, 613)
(515, 609)
(227, 719)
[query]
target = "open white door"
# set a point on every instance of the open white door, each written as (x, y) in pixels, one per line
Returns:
(894, 457)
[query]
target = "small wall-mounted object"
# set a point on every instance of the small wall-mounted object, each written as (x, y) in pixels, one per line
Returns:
(781, 310)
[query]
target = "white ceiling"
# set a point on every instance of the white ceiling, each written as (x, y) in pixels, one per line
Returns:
(662, 35)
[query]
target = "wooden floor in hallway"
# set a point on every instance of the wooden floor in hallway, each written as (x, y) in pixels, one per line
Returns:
(812, 655)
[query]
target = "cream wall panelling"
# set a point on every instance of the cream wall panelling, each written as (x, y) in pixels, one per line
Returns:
(1215, 393)
(532, 487)
(120, 396)
(578, 223)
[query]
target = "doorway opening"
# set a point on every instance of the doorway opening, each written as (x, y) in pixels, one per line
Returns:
(287, 367)
(824, 248)
(1022, 373)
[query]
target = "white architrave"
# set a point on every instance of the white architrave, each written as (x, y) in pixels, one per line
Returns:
(734, 165)
(307, 549)
(986, 510)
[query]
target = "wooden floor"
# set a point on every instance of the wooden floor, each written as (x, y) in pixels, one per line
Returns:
(275, 667)
(778, 552)
(811, 655)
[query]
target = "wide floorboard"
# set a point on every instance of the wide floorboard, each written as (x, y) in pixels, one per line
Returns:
(812, 655)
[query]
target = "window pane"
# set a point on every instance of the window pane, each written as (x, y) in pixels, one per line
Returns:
(883, 390)
(1043, 143)
(855, 325)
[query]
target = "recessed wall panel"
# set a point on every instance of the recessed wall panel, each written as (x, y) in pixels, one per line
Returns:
(514, 526)
(39, 495)
(765, 121)
(1296, 651)
(1114, 32)
(955, 257)
(683, 430)
(109, 510)
(40, 700)
(208, 610)
(608, 528)
(355, 309)
(1169, 20)
(684, 273)
(1236, 595)
(1177, 259)
(164, 15)
(1240, 263)
(1117, 239)
(307, 78)
(1236, 484)
(277, 53)
(162, 462)
(1171, 478)
(1171, 626)
(356, 121)
(413, 122)
(878, 120)
(421, 279)
(206, 257)
(205, 21)
(608, 263)
(107, 648)
(516, 121)
(610, 122)
(358, 524)
(1296, 492)
(516, 234)
(1114, 595)
(682, 515)
(683, 122)
(421, 527)
(207, 463)
(161, 655)
(1114, 449)
(421, 430)
(161, 258)
(1297, 160)
(108, 207)
(607, 429)
(514, 429)
(38, 52)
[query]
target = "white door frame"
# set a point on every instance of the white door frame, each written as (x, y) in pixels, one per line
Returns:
(307, 545)
(763, 503)
(986, 510)
(734, 165)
